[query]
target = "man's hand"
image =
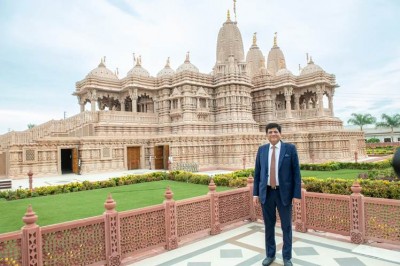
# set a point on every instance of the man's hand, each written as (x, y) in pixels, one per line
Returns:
(256, 201)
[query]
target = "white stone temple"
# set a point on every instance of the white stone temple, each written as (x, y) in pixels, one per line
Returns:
(186, 118)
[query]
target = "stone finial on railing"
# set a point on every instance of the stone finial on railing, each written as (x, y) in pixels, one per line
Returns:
(31, 239)
(250, 180)
(356, 188)
(30, 217)
(168, 194)
(212, 187)
(110, 204)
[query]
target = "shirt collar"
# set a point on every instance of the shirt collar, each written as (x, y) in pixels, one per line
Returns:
(277, 146)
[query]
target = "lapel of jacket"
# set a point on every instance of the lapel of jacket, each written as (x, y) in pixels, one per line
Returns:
(281, 154)
(266, 153)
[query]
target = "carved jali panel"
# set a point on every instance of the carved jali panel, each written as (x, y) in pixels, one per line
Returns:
(193, 217)
(328, 214)
(382, 221)
(234, 207)
(141, 231)
(10, 252)
(76, 246)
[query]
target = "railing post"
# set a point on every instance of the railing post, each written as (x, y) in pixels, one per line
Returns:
(214, 208)
(31, 242)
(30, 177)
(171, 229)
(356, 214)
(300, 211)
(250, 184)
(112, 231)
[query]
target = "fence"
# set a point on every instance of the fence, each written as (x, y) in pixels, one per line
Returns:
(116, 237)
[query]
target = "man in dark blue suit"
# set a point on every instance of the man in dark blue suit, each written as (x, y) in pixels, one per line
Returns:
(277, 181)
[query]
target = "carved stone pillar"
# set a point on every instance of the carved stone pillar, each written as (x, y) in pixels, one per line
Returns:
(122, 101)
(330, 99)
(31, 239)
(215, 225)
(300, 211)
(297, 101)
(171, 229)
(93, 99)
(250, 185)
(356, 215)
(320, 103)
(112, 231)
(288, 95)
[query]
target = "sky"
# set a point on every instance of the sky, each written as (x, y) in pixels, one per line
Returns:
(46, 46)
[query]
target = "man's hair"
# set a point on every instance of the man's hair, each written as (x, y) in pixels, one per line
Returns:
(273, 125)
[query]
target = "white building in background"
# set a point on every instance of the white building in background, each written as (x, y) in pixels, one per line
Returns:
(214, 120)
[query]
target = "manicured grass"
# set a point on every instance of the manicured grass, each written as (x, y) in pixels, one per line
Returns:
(342, 173)
(72, 206)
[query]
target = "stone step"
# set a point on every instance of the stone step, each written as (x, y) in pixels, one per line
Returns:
(5, 183)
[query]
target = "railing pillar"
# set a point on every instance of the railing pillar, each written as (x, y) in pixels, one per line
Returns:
(250, 185)
(31, 242)
(214, 208)
(112, 230)
(300, 211)
(356, 214)
(171, 229)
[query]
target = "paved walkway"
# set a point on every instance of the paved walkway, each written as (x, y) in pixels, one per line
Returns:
(68, 178)
(244, 246)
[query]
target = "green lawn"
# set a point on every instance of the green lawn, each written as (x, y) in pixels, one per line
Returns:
(342, 173)
(71, 206)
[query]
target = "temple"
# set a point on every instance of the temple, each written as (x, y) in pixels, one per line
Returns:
(182, 117)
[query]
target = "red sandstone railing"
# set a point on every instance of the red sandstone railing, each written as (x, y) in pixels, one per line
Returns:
(116, 237)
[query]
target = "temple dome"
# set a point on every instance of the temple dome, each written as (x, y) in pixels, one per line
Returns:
(102, 72)
(283, 71)
(310, 68)
(138, 70)
(166, 71)
(276, 59)
(255, 59)
(229, 42)
(187, 66)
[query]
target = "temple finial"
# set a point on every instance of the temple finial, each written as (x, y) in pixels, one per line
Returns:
(307, 58)
(275, 39)
(104, 59)
(187, 57)
(234, 9)
(255, 38)
(167, 64)
(134, 59)
(228, 16)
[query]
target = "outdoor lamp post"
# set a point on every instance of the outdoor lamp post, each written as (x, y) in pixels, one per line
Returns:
(30, 175)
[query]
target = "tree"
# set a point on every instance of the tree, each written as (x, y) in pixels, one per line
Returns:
(31, 126)
(361, 120)
(389, 122)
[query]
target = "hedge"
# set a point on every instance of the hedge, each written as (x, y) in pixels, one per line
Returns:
(371, 188)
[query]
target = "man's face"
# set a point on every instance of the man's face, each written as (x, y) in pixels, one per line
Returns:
(273, 135)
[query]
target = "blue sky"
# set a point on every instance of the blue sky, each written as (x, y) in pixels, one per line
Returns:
(48, 45)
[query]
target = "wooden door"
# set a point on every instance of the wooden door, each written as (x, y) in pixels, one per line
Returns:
(133, 158)
(75, 168)
(159, 157)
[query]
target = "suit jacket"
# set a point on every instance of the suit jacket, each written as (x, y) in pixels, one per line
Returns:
(288, 173)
